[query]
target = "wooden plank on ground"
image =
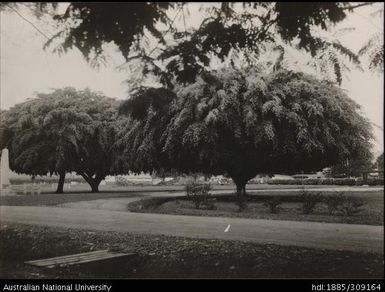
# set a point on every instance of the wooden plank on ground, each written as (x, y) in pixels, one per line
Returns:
(76, 259)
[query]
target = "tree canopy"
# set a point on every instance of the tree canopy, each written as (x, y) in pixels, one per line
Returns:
(245, 122)
(379, 164)
(63, 131)
(228, 31)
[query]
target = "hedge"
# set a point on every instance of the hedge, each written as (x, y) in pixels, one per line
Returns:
(328, 181)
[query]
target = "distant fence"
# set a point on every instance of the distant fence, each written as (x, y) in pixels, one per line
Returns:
(329, 181)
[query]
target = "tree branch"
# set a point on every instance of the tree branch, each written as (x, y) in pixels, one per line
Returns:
(358, 5)
(25, 19)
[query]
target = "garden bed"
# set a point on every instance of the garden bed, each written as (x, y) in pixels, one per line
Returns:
(174, 257)
(372, 210)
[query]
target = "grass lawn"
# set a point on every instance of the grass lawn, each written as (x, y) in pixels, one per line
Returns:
(81, 192)
(372, 211)
(174, 257)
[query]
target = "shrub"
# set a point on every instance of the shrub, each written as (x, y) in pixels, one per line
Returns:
(376, 181)
(346, 205)
(309, 201)
(334, 201)
(199, 194)
(328, 181)
(273, 205)
(350, 207)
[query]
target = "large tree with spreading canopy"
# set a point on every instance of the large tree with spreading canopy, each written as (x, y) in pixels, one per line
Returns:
(64, 131)
(245, 122)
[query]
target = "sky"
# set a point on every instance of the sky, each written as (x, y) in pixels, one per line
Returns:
(26, 68)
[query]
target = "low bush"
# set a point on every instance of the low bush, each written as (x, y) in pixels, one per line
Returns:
(273, 205)
(334, 202)
(351, 207)
(309, 201)
(199, 194)
(345, 205)
(375, 181)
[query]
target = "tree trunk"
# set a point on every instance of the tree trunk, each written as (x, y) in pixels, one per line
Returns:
(241, 194)
(93, 182)
(60, 185)
(241, 188)
(95, 186)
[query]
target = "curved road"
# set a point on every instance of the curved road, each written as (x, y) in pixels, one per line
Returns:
(350, 237)
(111, 215)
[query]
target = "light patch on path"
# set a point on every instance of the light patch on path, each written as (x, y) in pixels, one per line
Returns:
(227, 228)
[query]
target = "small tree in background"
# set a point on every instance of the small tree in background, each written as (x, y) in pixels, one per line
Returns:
(379, 164)
(352, 167)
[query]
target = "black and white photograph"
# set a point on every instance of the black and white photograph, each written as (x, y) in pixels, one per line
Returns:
(191, 140)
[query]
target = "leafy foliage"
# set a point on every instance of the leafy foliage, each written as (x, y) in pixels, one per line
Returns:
(351, 207)
(352, 167)
(90, 25)
(298, 25)
(374, 50)
(334, 202)
(346, 205)
(63, 131)
(309, 201)
(149, 112)
(244, 122)
(380, 162)
(199, 194)
(228, 31)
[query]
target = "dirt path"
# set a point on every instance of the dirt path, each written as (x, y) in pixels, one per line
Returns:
(309, 234)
